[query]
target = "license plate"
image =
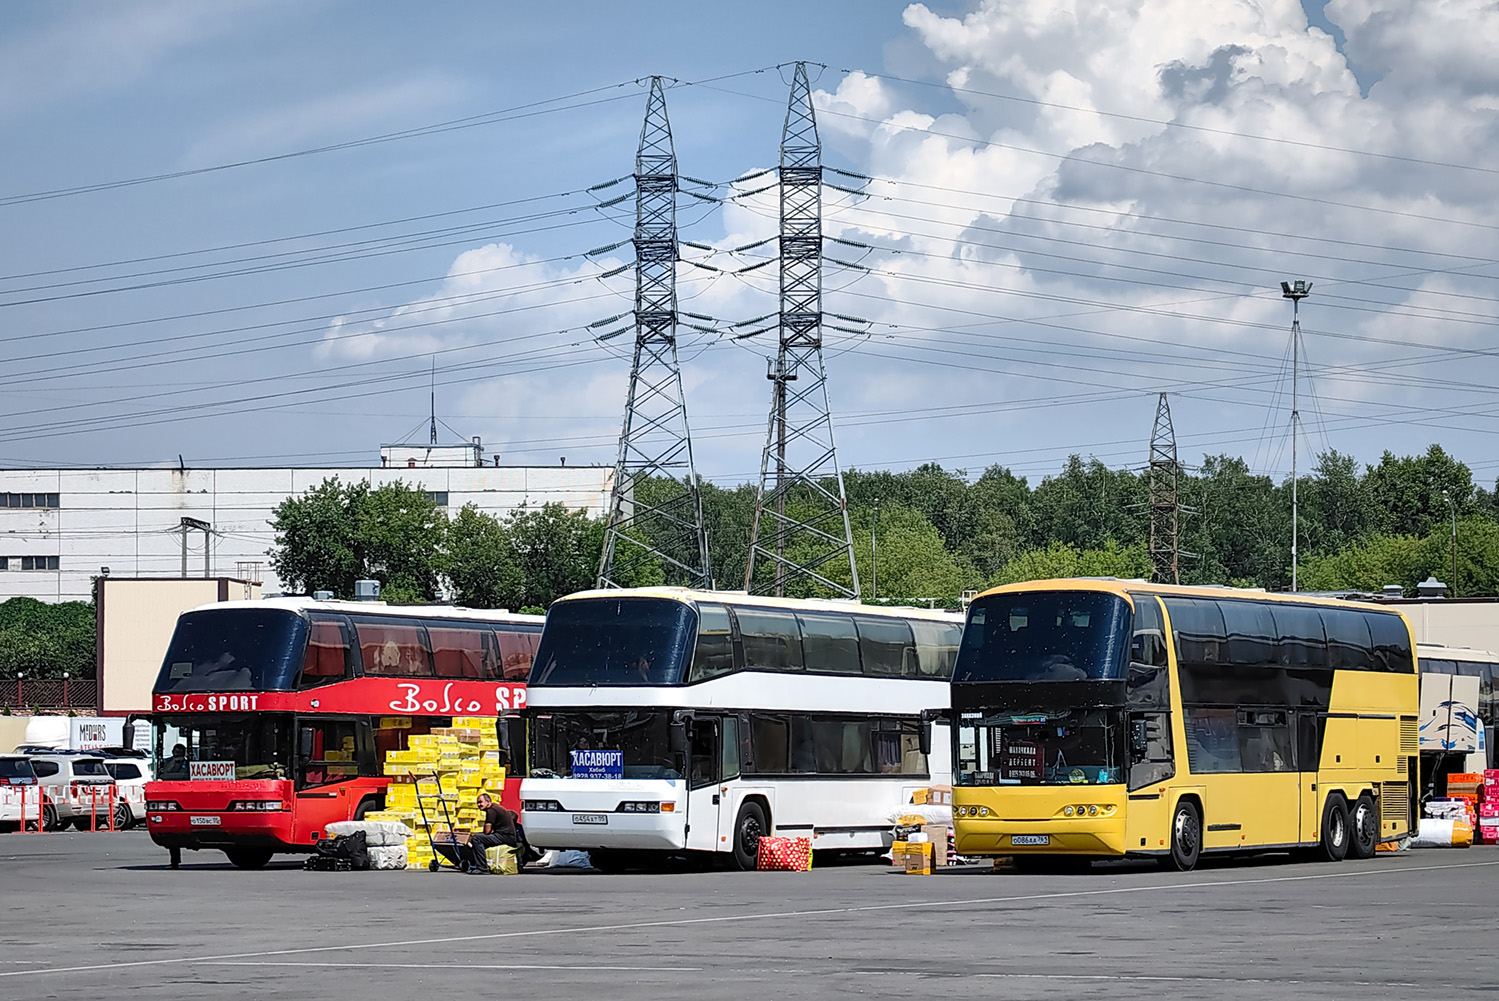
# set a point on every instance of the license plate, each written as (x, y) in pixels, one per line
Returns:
(590, 818)
(1030, 839)
(205, 821)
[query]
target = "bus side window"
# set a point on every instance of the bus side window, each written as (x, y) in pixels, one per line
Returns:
(330, 654)
(457, 651)
(517, 650)
(704, 760)
(1150, 758)
(729, 743)
(394, 648)
(714, 655)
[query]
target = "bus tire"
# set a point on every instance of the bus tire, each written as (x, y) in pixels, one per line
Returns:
(249, 858)
(1186, 836)
(365, 806)
(1364, 829)
(1335, 829)
(749, 827)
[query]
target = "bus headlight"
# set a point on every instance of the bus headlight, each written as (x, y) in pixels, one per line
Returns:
(257, 805)
(541, 805)
(1067, 812)
(638, 806)
(162, 805)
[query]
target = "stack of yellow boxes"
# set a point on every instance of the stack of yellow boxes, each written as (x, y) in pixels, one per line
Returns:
(446, 770)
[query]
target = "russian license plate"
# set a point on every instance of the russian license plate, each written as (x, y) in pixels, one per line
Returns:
(590, 818)
(205, 821)
(1030, 839)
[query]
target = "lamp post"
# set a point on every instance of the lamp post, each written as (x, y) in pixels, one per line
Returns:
(65, 703)
(874, 554)
(1452, 505)
(1295, 291)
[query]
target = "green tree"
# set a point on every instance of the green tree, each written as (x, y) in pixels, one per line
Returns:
(1239, 528)
(47, 640)
(338, 533)
(1337, 508)
(558, 552)
(1060, 560)
(1411, 492)
(1088, 504)
(482, 569)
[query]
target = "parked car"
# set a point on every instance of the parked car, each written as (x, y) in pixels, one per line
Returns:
(77, 788)
(130, 775)
(16, 780)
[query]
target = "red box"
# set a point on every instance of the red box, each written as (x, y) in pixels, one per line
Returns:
(1488, 809)
(1491, 776)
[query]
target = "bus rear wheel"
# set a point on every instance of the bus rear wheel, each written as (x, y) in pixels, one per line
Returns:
(1365, 828)
(249, 858)
(749, 827)
(1186, 837)
(1335, 830)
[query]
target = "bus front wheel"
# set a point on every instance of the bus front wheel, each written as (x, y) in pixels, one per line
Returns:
(749, 827)
(1335, 830)
(1186, 837)
(249, 858)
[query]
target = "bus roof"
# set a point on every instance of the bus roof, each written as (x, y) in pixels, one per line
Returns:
(690, 596)
(1439, 651)
(1123, 587)
(304, 605)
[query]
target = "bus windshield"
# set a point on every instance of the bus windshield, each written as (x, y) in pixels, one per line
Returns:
(1044, 636)
(643, 735)
(1067, 747)
(234, 650)
(615, 642)
(260, 746)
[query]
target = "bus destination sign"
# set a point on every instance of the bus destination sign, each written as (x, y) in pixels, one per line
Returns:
(210, 771)
(598, 764)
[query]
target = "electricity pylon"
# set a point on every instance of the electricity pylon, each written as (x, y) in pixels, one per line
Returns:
(653, 515)
(801, 516)
(1165, 505)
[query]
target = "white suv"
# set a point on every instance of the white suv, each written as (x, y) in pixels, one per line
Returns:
(77, 788)
(130, 774)
(17, 791)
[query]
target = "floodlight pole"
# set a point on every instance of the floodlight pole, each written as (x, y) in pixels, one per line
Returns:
(1295, 292)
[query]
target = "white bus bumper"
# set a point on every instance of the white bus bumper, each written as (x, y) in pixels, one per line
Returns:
(589, 814)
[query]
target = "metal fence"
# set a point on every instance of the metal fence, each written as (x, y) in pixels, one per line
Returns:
(50, 693)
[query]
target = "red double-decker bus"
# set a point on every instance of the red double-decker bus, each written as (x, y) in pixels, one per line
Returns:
(272, 717)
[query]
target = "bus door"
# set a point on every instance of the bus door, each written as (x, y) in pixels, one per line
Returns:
(704, 769)
(1309, 727)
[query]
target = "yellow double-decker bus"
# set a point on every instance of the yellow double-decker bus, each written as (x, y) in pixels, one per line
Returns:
(1097, 719)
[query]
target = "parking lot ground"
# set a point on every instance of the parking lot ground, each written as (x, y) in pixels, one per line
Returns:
(100, 915)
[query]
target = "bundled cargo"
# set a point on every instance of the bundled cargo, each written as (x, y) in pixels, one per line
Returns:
(1441, 833)
(784, 855)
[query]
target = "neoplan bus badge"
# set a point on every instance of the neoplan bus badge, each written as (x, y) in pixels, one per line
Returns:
(598, 764)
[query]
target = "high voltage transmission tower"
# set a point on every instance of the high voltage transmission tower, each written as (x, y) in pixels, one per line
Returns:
(653, 515)
(801, 516)
(1165, 506)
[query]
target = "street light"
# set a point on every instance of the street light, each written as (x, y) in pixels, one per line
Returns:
(1295, 291)
(874, 554)
(1453, 506)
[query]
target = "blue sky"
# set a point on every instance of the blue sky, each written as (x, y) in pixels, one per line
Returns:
(1070, 212)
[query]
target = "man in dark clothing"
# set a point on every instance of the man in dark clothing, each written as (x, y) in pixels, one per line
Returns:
(499, 825)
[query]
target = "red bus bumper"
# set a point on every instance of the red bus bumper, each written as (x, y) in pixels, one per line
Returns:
(208, 814)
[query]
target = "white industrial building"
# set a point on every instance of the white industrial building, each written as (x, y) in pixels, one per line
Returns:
(60, 528)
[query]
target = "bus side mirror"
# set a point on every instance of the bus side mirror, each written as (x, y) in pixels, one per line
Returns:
(924, 734)
(679, 735)
(305, 737)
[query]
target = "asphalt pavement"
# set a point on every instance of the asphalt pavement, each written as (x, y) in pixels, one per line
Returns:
(100, 915)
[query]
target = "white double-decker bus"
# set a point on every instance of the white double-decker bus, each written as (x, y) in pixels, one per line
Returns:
(666, 720)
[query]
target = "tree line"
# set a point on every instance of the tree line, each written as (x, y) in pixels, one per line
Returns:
(940, 532)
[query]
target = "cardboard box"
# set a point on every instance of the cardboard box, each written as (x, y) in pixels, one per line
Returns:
(918, 860)
(898, 854)
(1488, 808)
